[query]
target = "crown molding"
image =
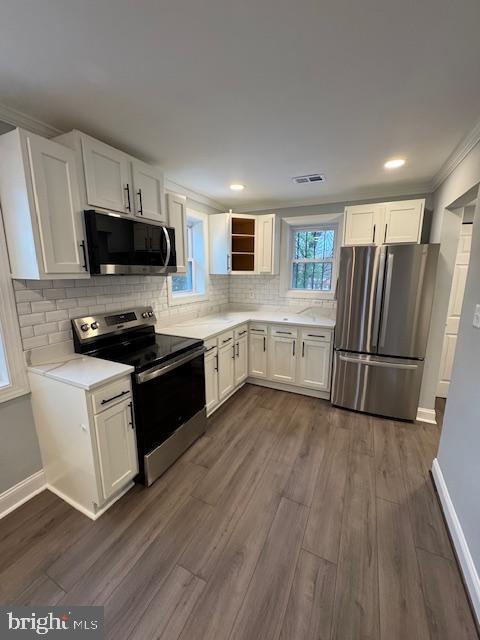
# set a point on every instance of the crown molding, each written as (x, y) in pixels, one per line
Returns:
(170, 185)
(361, 195)
(458, 154)
(18, 119)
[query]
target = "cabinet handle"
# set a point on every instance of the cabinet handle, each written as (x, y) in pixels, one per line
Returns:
(287, 333)
(374, 230)
(211, 348)
(140, 202)
(385, 236)
(107, 400)
(216, 362)
(258, 330)
(233, 349)
(128, 206)
(293, 344)
(264, 343)
(303, 349)
(242, 333)
(132, 423)
(226, 340)
(84, 265)
(238, 349)
(314, 335)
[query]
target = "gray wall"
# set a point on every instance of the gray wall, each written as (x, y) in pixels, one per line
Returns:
(460, 442)
(19, 451)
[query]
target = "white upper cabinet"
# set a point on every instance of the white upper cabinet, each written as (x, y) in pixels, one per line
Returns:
(268, 244)
(384, 223)
(403, 221)
(363, 224)
(148, 192)
(107, 176)
(41, 208)
(177, 218)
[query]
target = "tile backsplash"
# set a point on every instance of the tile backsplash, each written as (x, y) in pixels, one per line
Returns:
(45, 307)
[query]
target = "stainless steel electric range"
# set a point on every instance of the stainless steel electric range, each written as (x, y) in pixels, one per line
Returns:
(168, 382)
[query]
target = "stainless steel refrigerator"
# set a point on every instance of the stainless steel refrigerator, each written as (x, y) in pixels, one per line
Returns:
(384, 304)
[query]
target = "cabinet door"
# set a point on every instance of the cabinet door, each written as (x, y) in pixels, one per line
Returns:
(148, 191)
(265, 243)
(57, 203)
(211, 380)
(177, 218)
(226, 372)
(107, 176)
(117, 448)
(219, 237)
(315, 365)
(257, 359)
(283, 360)
(241, 360)
(363, 224)
(403, 221)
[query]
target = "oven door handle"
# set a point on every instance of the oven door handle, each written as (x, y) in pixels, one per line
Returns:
(161, 370)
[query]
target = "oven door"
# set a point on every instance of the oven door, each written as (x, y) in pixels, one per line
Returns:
(169, 406)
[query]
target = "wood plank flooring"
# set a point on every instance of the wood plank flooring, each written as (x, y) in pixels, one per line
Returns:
(288, 520)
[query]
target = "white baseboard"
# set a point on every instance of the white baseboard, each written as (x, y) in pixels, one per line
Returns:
(291, 388)
(93, 515)
(15, 496)
(470, 573)
(426, 415)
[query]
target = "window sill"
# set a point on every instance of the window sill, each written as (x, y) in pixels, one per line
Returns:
(186, 298)
(306, 293)
(10, 393)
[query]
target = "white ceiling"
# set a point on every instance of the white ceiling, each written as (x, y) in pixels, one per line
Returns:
(255, 91)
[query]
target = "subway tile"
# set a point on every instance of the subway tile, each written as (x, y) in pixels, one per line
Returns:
(46, 328)
(37, 341)
(55, 316)
(44, 305)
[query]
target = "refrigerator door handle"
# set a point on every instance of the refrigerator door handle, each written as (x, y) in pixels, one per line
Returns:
(378, 299)
(386, 300)
(378, 363)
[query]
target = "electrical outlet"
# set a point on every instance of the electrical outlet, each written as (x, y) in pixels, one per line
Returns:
(476, 317)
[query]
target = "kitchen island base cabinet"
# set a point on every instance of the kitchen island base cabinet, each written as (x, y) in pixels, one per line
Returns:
(87, 441)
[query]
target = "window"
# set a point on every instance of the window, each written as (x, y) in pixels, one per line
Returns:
(192, 285)
(313, 257)
(13, 375)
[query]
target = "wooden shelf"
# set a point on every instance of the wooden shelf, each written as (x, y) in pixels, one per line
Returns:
(243, 253)
(243, 235)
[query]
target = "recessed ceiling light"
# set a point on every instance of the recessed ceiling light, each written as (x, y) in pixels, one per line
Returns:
(237, 187)
(395, 163)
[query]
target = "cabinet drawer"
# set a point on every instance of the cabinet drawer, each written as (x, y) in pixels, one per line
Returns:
(210, 345)
(241, 331)
(224, 338)
(260, 329)
(110, 394)
(284, 332)
(320, 335)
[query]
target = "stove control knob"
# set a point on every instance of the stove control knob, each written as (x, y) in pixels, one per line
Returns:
(150, 314)
(84, 327)
(94, 325)
(145, 314)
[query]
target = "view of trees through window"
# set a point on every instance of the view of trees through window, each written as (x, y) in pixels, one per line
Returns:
(312, 261)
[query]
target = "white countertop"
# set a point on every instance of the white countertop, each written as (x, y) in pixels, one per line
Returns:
(82, 371)
(207, 327)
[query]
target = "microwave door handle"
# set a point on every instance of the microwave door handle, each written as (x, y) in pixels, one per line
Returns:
(169, 247)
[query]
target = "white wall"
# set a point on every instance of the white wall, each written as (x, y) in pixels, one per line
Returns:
(459, 452)
(446, 229)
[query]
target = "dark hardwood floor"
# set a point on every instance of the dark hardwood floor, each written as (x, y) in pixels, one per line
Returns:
(289, 520)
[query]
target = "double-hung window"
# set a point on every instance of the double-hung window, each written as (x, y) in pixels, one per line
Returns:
(192, 285)
(13, 375)
(312, 258)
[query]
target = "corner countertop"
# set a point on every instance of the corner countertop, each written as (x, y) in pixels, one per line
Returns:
(210, 326)
(81, 371)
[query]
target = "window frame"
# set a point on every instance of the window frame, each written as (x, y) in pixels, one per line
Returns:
(10, 337)
(199, 291)
(301, 223)
(316, 227)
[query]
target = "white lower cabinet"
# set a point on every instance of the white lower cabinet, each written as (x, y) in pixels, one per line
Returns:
(241, 359)
(257, 351)
(117, 447)
(315, 364)
(211, 378)
(226, 369)
(282, 359)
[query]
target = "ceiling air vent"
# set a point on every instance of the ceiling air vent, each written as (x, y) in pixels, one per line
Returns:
(313, 177)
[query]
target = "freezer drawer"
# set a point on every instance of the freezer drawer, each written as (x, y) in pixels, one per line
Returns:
(374, 384)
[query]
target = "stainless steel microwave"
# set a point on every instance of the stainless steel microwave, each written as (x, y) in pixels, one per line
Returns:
(120, 246)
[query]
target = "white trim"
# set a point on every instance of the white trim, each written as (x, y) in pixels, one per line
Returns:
(291, 388)
(14, 497)
(90, 514)
(355, 197)
(217, 406)
(458, 154)
(190, 194)
(469, 571)
(18, 119)
(426, 415)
